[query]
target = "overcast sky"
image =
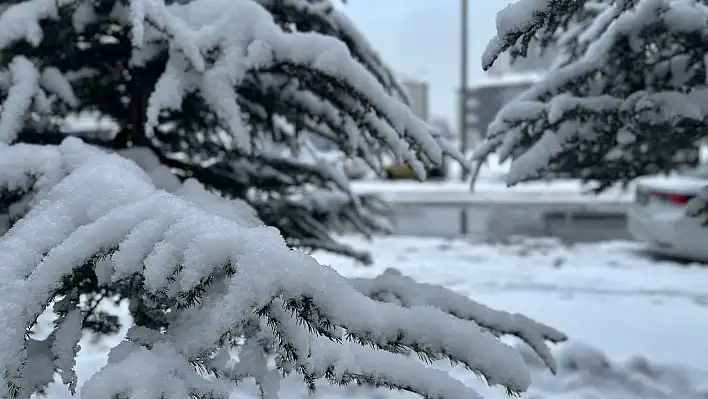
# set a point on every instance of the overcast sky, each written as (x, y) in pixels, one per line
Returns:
(421, 39)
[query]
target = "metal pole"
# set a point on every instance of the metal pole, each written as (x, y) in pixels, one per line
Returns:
(464, 131)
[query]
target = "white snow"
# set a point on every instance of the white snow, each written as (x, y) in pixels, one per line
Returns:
(605, 295)
(451, 192)
(23, 88)
(636, 326)
(132, 218)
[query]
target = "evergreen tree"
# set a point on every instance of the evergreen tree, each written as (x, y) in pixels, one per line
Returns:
(210, 97)
(626, 98)
(266, 161)
(280, 102)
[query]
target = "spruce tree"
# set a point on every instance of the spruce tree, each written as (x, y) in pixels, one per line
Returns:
(273, 168)
(175, 213)
(281, 104)
(627, 96)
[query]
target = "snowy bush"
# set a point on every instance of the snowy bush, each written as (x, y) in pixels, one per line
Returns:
(627, 95)
(205, 275)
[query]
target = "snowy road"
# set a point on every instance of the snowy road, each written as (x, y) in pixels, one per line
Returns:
(638, 328)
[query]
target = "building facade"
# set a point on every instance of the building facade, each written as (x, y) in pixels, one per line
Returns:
(484, 98)
(418, 92)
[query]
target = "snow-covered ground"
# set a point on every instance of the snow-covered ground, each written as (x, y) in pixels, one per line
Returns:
(638, 327)
(490, 184)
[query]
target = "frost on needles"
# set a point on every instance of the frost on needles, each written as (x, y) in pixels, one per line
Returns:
(208, 278)
(627, 93)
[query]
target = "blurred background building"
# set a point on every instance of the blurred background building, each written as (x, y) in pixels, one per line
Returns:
(484, 98)
(419, 94)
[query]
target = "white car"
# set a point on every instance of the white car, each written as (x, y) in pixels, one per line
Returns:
(658, 214)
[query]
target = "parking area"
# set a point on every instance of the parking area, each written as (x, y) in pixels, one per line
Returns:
(497, 221)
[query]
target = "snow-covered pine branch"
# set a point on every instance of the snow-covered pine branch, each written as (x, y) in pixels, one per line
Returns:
(310, 190)
(328, 20)
(628, 95)
(298, 61)
(202, 87)
(391, 286)
(219, 272)
(211, 48)
(519, 22)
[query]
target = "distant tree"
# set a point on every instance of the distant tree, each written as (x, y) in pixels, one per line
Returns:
(626, 98)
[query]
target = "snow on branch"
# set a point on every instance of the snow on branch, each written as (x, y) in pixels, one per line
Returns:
(216, 275)
(310, 189)
(392, 286)
(335, 23)
(357, 124)
(212, 48)
(520, 21)
(344, 362)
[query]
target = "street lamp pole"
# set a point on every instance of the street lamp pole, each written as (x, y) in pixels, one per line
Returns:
(462, 98)
(464, 132)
